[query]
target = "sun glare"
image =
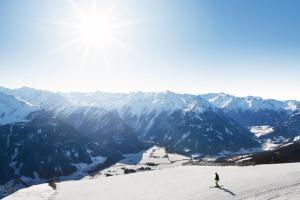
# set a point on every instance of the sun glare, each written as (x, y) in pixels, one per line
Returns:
(95, 27)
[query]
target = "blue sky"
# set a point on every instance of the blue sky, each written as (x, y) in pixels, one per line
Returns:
(241, 47)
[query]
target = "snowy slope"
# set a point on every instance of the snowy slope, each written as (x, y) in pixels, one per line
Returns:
(279, 182)
(13, 109)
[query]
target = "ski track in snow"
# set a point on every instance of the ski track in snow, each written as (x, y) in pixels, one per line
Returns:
(262, 182)
(275, 192)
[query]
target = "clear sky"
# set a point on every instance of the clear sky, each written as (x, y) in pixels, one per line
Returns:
(241, 47)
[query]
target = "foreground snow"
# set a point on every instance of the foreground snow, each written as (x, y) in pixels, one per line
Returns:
(281, 181)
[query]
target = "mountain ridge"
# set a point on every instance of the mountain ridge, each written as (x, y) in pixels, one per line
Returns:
(109, 125)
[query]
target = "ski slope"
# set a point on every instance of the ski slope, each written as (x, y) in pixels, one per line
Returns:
(278, 182)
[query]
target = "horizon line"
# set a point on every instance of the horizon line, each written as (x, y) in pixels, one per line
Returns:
(137, 91)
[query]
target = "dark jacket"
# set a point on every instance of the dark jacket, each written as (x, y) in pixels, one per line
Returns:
(217, 177)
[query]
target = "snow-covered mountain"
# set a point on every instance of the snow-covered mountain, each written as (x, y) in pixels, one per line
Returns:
(163, 117)
(13, 109)
(289, 127)
(183, 122)
(138, 104)
(108, 125)
(230, 102)
(102, 126)
(248, 111)
(253, 111)
(43, 136)
(42, 98)
(48, 147)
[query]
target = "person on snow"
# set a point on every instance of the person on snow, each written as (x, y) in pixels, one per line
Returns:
(217, 179)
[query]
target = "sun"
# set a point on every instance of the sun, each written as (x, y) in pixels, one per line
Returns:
(95, 27)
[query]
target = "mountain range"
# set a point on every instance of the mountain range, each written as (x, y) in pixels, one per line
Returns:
(45, 135)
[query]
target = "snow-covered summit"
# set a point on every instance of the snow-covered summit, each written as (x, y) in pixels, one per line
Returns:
(41, 98)
(144, 103)
(139, 103)
(13, 109)
(199, 105)
(230, 102)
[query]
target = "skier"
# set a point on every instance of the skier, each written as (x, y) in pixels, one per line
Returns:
(217, 179)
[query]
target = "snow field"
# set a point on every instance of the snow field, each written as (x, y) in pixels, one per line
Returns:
(279, 182)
